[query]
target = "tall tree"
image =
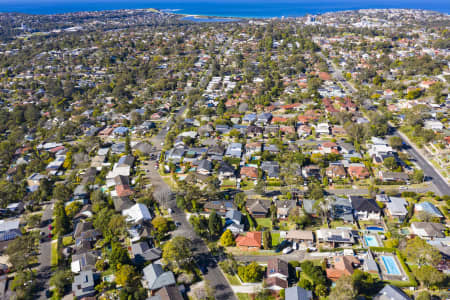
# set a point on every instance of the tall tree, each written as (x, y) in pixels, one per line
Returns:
(214, 224)
(344, 289)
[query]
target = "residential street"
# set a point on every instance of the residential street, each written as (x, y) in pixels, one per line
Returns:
(44, 257)
(202, 256)
(440, 186)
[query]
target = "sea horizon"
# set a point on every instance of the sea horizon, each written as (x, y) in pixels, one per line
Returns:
(218, 8)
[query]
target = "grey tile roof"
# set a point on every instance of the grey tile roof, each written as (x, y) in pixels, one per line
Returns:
(156, 277)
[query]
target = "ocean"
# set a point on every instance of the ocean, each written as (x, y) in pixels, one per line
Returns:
(222, 8)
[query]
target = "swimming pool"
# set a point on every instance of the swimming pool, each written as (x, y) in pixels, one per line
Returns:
(391, 265)
(371, 241)
(375, 228)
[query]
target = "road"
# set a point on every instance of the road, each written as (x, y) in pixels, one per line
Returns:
(202, 255)
(440, 185)
(438, 181)
(44, 258)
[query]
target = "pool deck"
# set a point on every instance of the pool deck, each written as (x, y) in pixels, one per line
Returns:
(377, 238)
(384, 274)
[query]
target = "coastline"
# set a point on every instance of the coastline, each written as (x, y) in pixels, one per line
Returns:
(215, 9)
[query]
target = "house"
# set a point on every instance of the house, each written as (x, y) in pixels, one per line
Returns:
(276, 283)
(342, 266)
(137, 213)
(226, 171)
(142, 252)
(83, 285)
(234, 221)
(204, 167)
(155, 278)
(303, 237)
(369, 263)
(284, 208)
(277, 268)
(397, 207)
(390, 292)
(336, 171)
(249, 172)
(84, 261)
(234, 150)
(9, 229)
(252, 148)
(311, 171)
(393, 176)
(323, 128)
(308, 206)
(250, 241)
(335, 237)
(258, 208)
(297, 293)
(365, 209)
(429, 208)
(254, 131)
(85, 234)
(122, 203)
(342, 209)
(271, 169)
(167, 293)
(221, 207)
(428, 230)
(358, 171)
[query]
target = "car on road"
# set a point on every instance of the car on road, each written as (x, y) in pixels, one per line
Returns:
(177, 224)
(50, 227)
(402, 188)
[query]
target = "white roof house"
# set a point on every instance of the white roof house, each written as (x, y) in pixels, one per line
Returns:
(136, 213)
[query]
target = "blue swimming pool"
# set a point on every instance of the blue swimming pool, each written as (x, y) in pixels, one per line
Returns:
(375, 228)
(391, 265)
(371, 241)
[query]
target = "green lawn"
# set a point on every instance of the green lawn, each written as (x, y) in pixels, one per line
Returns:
(54, 254)
(67, 240)
(242, 296)
(232, 279)
(275, 239)
(264, 222)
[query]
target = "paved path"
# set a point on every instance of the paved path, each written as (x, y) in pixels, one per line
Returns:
(247, 289)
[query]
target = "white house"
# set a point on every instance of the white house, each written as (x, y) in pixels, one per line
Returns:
(136, 213)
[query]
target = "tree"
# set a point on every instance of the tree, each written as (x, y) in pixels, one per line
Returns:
(344, 289)
(251, 273)
(177, 250)
(227, 239)
(267, 240)
(22, 250)
(364, 283)
(62, 192)
(72, 209)
(315, 191)
(390, 163)
(24, 285)
(321, 290)
(214, 224)
(118, 256)
(62, 221)
(126, 276)
(60, 280)
(396, 142)
(417, 176)
(429, 276)
(423, 295)
(161, 225)
(421, 253)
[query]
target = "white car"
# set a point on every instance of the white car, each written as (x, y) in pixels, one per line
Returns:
(287, 250)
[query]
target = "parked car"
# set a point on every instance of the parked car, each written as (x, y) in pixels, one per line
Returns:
(281, 246)
(287, 250)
